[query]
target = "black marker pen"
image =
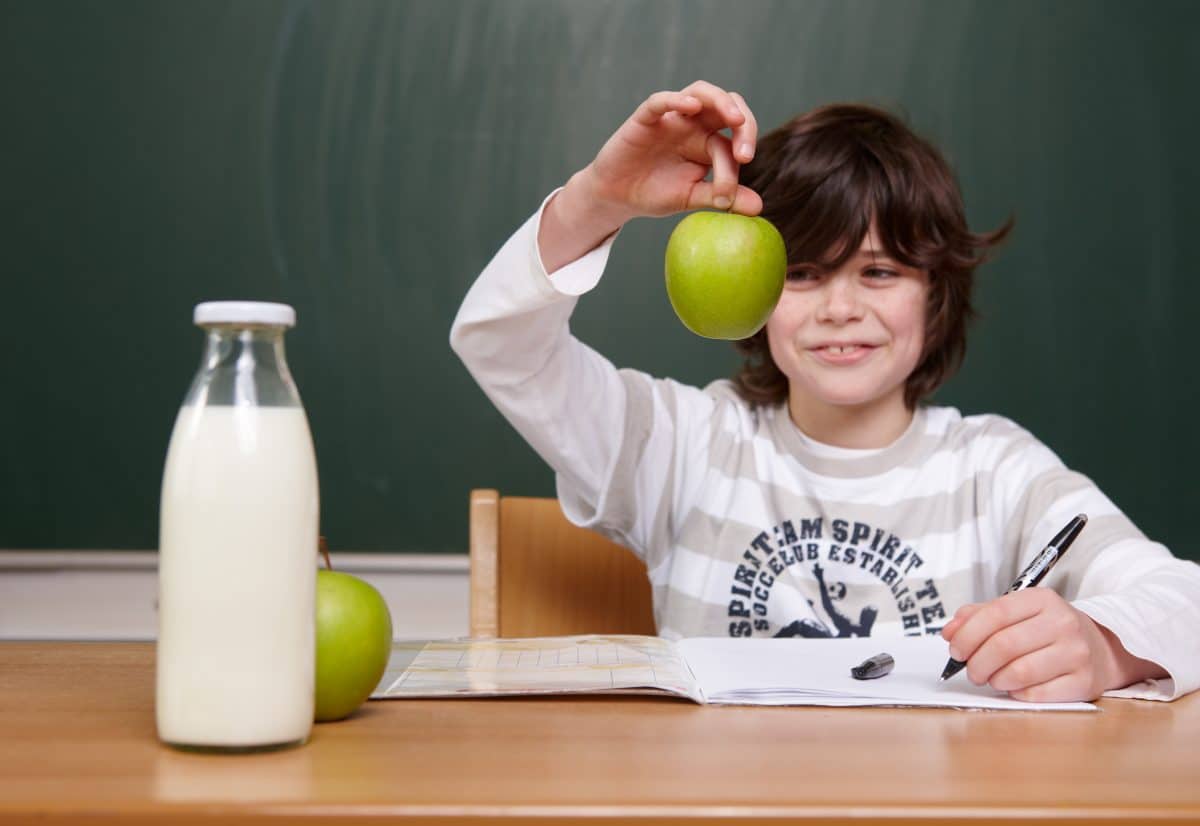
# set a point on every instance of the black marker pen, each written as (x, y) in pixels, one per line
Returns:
(1034, 572)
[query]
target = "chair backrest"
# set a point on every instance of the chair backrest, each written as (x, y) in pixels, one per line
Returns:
(534, 574)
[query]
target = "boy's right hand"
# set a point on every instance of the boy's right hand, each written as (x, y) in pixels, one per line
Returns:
(656, 164)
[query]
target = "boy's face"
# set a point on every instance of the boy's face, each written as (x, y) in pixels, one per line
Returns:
(850, 338)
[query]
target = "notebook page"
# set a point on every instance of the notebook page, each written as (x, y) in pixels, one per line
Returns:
(537, 665)
(817, 672)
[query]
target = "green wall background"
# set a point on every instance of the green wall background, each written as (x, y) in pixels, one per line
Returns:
(363, 160)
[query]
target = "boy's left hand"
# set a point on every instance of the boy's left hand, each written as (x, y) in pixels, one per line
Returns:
(1036, 646)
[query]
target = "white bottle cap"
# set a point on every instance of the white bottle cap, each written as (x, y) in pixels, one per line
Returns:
(244, 312)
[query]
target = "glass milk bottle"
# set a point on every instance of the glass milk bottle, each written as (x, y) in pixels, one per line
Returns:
(238, 544)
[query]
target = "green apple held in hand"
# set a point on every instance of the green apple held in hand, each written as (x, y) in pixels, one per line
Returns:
(725, 273)
(354, 641)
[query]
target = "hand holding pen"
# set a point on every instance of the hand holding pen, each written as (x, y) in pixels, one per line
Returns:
(1031, 642)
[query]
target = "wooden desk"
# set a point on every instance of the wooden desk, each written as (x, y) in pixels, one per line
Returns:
(77, 743)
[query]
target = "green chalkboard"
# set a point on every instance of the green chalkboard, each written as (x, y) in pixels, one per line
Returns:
(363, 160)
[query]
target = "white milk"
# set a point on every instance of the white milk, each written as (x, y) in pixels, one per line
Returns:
(237, 578)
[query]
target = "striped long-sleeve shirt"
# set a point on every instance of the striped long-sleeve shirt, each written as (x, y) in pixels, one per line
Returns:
(749, 528)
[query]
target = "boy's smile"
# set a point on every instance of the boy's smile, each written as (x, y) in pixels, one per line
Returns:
(847, 339)
(838, 354)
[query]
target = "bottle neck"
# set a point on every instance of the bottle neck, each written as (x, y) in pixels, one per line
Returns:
(244, 365)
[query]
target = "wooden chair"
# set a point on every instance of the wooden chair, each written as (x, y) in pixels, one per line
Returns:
(534, 574)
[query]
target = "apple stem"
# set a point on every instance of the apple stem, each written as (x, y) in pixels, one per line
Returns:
(324, 548)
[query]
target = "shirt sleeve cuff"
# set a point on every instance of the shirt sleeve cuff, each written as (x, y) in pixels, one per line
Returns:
(1163, 690)
(582, 274)
(1100, 609)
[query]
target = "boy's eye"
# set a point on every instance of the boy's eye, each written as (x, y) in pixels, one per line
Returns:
(879, 272)
(802, 272)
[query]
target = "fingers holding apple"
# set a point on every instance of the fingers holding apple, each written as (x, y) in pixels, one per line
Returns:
(722, 191)
(657, 161)
(354, 641)
(722, 110)
(724, 154)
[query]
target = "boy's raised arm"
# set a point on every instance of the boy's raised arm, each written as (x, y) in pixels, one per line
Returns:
(569, 402)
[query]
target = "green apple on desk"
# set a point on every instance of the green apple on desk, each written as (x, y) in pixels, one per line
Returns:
(725, 273)
(354, 641)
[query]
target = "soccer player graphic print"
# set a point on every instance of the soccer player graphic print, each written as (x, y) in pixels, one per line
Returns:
(841, 623)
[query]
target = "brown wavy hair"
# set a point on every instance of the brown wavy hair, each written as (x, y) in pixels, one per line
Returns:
(823, 177)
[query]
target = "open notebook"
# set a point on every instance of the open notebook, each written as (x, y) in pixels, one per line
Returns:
(705, 670)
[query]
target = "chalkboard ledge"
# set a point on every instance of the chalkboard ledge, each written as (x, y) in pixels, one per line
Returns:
(113, 595)
(349, 561)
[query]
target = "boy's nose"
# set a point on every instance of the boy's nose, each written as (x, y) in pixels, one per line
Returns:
(840, 300)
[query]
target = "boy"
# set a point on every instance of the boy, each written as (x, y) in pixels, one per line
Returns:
(815, 494)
